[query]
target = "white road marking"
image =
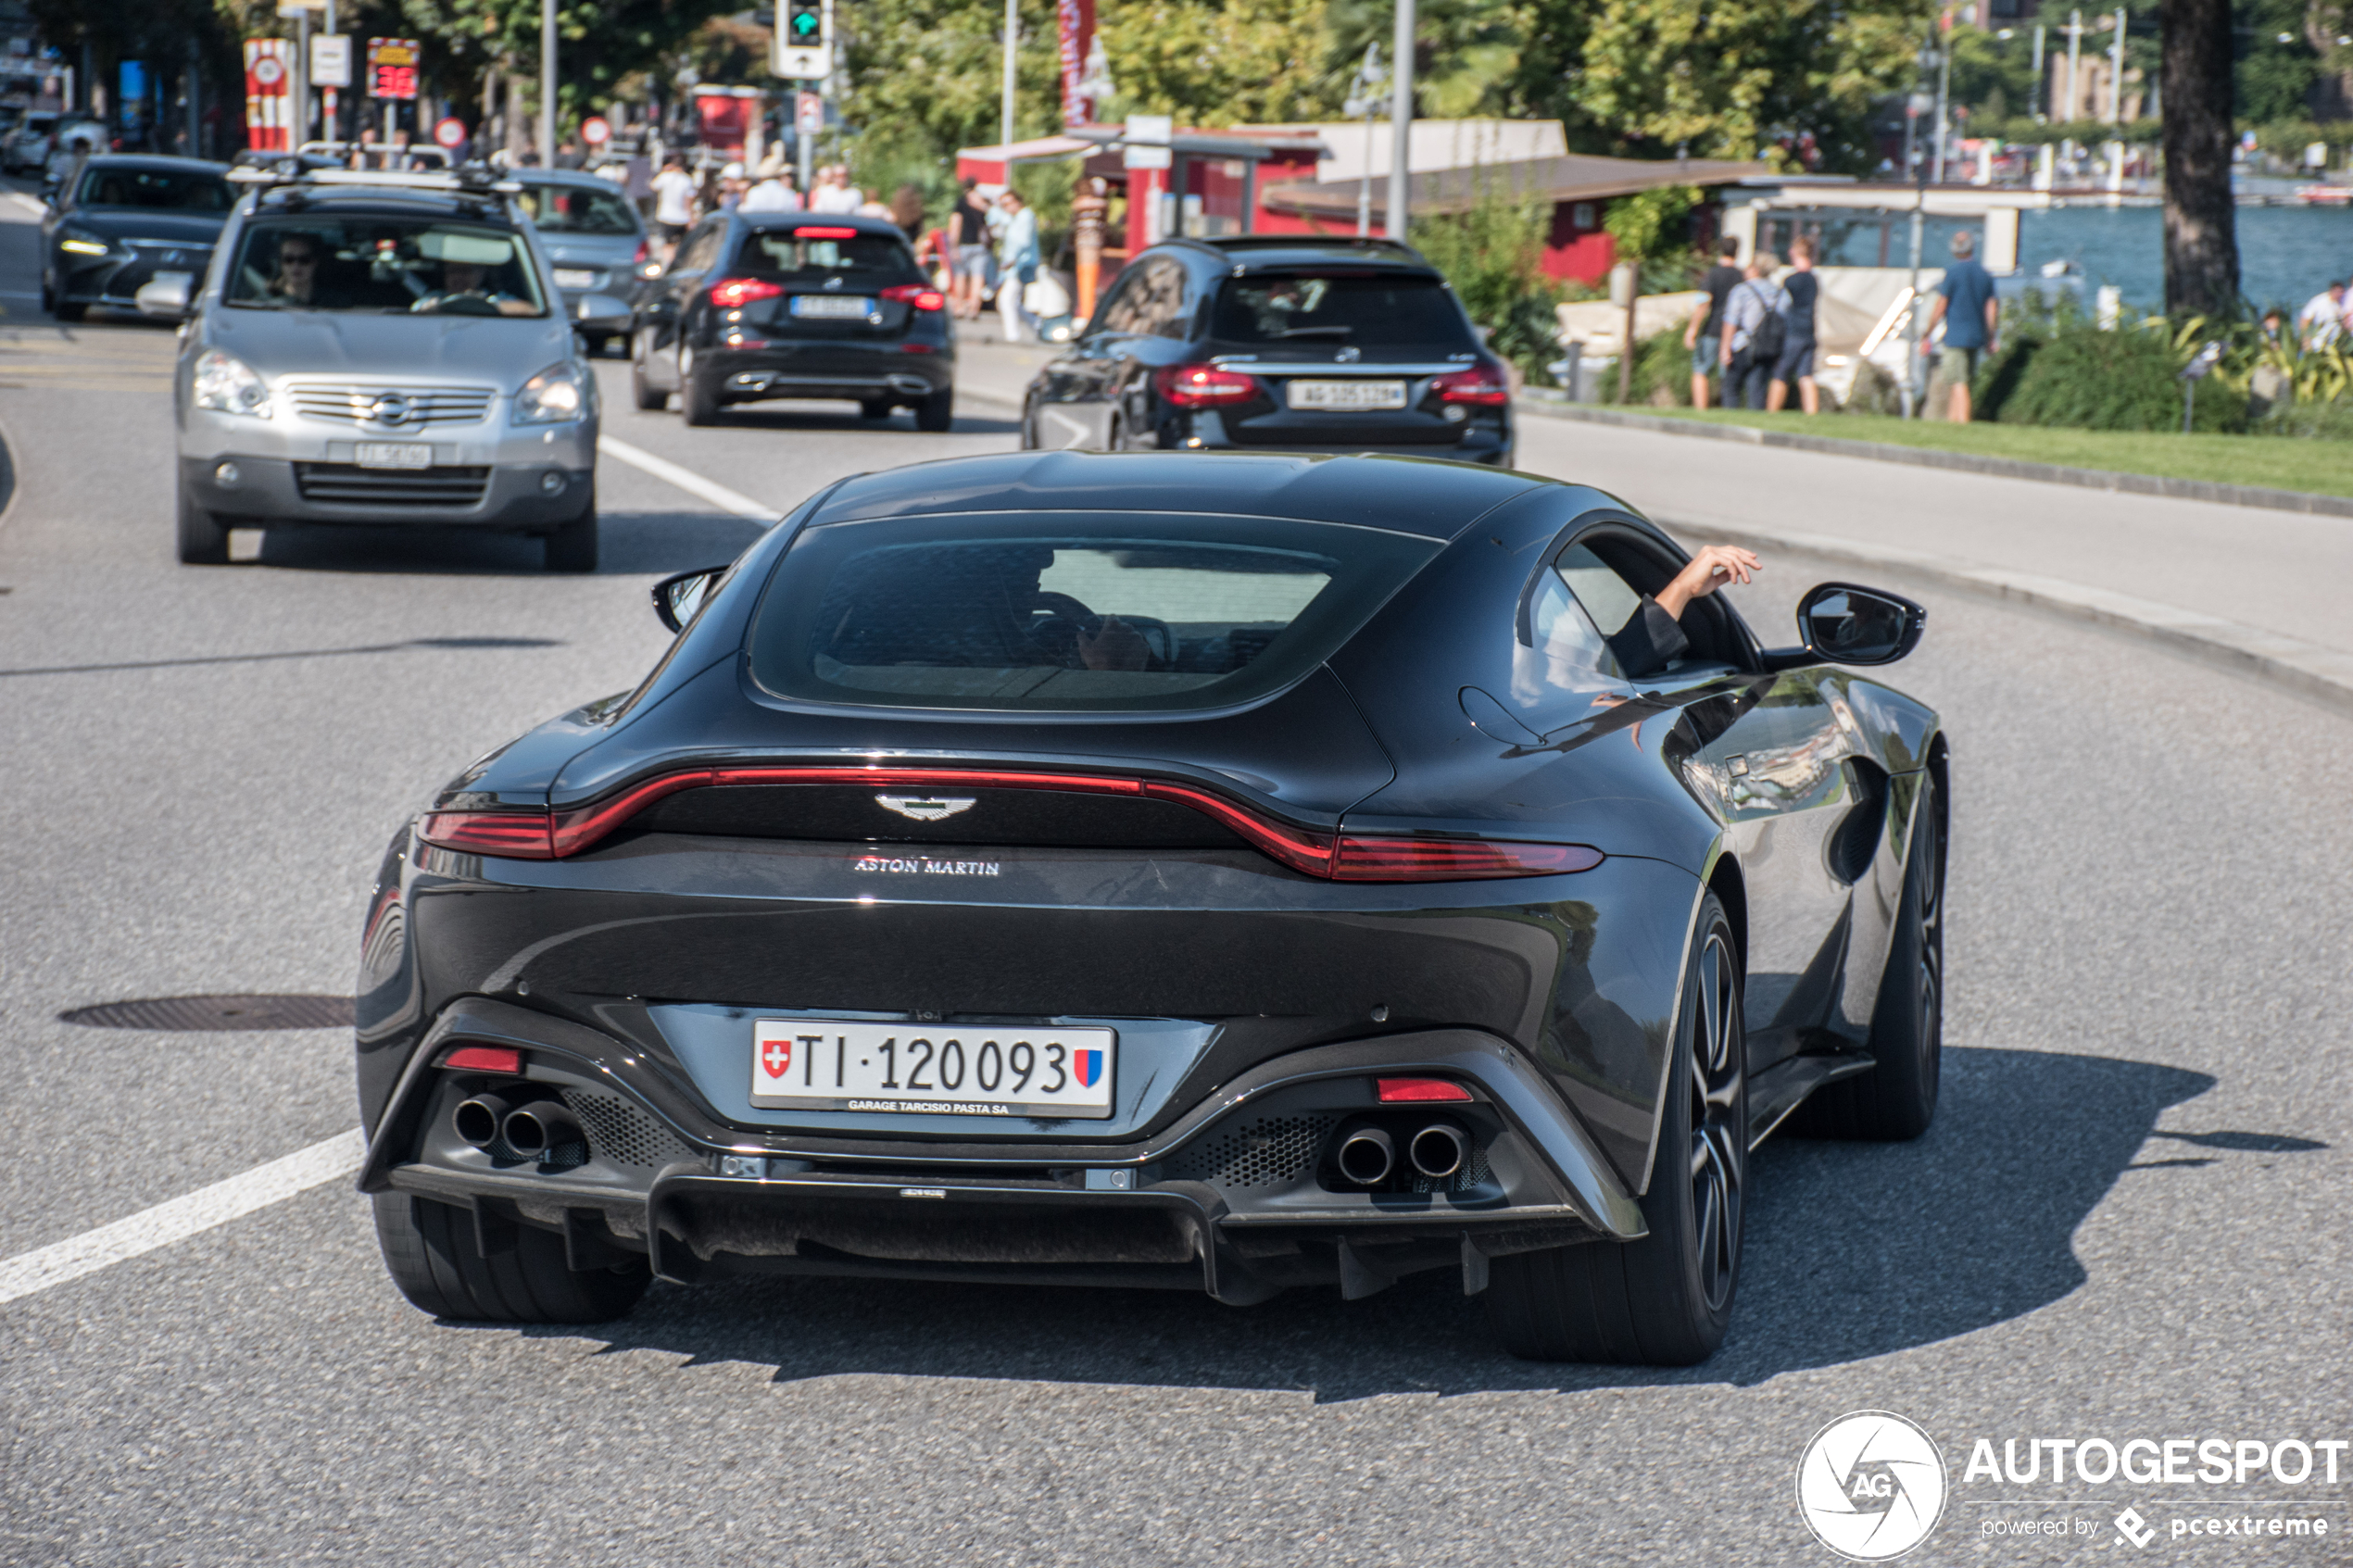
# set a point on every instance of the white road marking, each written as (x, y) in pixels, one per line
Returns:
(693, 483)
(181, 1217)
(37, 208)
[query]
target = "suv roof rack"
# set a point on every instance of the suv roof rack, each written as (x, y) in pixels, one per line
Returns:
(471, 180)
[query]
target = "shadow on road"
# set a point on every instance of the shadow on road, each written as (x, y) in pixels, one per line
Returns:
(801, 418)
(650, 544)
(1853, 1250)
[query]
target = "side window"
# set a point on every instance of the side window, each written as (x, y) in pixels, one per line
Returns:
(1117, 314)
(1174, 320)
(1565, 662)
(1608, 597)
(701, 248)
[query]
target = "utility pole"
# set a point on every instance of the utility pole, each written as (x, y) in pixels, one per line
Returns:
(2116, 73)
(1944, 105)
(1363, 99)
(1401, 122)
(1005, 112)
(2074, 30)
(330, 109)
(302, 77)
(1910, 391)
(2041, 88)
(547, 83)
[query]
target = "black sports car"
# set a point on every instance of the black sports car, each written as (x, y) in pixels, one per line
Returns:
(122, 222)
(1288, 342)
(1220, 872)
(764, 305)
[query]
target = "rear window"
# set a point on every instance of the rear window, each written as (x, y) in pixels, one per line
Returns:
(577, 210)
(1359, 312)
(1068, 612)
(824, 252)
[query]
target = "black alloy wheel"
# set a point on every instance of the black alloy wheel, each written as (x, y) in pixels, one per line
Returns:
(1896, 1099)
(430, 1252)
(1667, 1299)
(647, 396)
(573, 546)
(203, 537)
(698, 396)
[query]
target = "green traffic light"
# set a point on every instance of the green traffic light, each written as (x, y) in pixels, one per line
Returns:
(805, 23)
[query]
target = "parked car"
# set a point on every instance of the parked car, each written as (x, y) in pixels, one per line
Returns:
(25, 148)
(122, 222)
(1276, 342)
(597, 241)
(1126, 869)
(768, 305)
(74, 138)
(378, 348)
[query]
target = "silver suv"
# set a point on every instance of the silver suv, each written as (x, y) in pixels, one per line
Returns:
(300, 399)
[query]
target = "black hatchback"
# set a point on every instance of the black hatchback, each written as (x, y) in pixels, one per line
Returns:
(765, 304)
(1276, 342)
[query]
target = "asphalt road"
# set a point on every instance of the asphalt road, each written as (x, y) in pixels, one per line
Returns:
(2129, 1220)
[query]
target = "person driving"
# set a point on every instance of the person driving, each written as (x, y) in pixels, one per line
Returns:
(1654, 639)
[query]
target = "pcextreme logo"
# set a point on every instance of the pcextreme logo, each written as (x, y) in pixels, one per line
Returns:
(1871, 1485)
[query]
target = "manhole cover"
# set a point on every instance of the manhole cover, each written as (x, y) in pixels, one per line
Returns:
(173, 1013)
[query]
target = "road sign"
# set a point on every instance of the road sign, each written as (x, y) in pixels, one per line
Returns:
(330, 59)
(392, 68)
(449, 133)
(808, 113)
(596, 130)
(804, 40)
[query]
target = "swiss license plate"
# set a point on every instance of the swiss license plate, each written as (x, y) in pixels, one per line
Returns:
(395, 455)
(1348, 395)
(172, 278)
(574, 278)
(832, 306)
(934, 1068)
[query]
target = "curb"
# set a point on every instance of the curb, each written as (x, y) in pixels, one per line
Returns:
(1963, 462)
(2309, 669)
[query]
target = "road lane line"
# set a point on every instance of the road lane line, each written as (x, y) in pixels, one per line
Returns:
(693, 483)
(37, 208)
(181, 1217)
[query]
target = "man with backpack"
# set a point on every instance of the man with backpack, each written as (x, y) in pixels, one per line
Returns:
(1754, 332)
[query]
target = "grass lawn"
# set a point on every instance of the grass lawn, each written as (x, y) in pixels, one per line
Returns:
(2275, 462)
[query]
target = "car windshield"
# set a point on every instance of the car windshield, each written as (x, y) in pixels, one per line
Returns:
(1068, 612)
(380, 265)
(1360, 310)
(821, 251)
(578, 210)
(184, 190)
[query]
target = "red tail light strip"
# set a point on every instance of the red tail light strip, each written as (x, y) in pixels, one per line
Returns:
(735, 293)
(1408, 1091)
(916, 294)
(539, 836)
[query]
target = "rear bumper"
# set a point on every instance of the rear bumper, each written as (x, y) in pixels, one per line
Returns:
(1216, 1202)
(1485, 440)
(826, 370)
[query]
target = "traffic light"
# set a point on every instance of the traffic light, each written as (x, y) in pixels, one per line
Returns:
(804, 23)
(804, 40)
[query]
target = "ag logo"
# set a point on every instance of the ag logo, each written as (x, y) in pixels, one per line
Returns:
(925, 808)
(1871, 1485)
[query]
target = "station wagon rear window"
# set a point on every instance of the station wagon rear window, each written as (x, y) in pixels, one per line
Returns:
(822, 251)
(1341, 309)
(577, 210)
(1066, 612)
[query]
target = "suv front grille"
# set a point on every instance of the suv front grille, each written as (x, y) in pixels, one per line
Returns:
(351, 485)
(427, 405)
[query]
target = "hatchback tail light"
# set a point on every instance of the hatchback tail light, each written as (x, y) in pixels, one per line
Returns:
(1480, 384)
(645, 248)
(1203, 386)
(735, 293)
(1454, 859)
(520, 836)
(921, 296)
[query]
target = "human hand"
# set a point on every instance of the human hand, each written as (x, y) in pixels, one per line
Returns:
(1713, 568)
(1114, 646)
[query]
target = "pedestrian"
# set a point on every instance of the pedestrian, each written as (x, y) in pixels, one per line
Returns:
(907, 211)
(1795, 367)
(1017, 264)
(1965, 304)
(1705, 336)
(637, 183)
(773, 194)
(833, 192)
(729, 191)
(968, 250)
(2321, 321)
(674, 203)
(1754, 333)
(568, 156)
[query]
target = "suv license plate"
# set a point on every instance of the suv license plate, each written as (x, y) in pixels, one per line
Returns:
(1348, 395)
(574, 278)
(395, 455)
(833, 306)
(933, 1069)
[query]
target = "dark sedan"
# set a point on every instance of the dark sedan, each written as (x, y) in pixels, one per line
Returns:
(1224, 875)
(768, 305)
(1276, 342)
(119, 224)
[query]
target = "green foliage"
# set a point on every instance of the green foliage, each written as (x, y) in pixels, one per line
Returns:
(1651, 225)
(1494, 254)
(2273, 79)
(924, 75)
(1662, 372)
(1220, 62)
(2308, 422)
(1529, 336)
(1466, 56)
(600, 42)
(2122, 380)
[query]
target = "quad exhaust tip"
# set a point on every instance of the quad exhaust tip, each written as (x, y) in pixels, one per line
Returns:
(1366, 1155)
(1438, 1150)
(540, 1127)
(478, 1120)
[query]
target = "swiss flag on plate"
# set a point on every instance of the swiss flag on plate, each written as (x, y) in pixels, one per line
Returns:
(776, 1056)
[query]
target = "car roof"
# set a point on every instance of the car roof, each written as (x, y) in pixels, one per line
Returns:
(1420, 495)
(1254, 252)
(389, 201)
(160, 161)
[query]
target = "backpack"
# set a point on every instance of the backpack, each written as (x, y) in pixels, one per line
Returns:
(1766, 339)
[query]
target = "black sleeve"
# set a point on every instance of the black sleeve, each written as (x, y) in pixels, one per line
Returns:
(1649, 642)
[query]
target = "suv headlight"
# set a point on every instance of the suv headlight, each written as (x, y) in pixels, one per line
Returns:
(228, 383)
(80, 244)
(555, 394)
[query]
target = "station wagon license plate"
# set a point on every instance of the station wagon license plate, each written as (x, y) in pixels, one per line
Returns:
(931, 1068)
(833, 306)
(1348, 395)
(395, 455)
(574, 278)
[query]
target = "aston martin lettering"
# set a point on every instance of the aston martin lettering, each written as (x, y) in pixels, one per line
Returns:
(927, 808)
(921, 866)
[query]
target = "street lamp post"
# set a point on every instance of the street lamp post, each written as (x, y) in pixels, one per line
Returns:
(547, 83)
(1005, 111)
(1400, 114)
(1363, 99)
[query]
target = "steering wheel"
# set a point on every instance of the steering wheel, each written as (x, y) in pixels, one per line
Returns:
(453, 304)
(1067, 611)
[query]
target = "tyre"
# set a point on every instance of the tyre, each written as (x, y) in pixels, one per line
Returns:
(936, 413)
(430, 1252)
(204, 539)
(698, 398)
(572, 547)
(643, 393)
(875, 408)
(1029, 427)
(1896, 1099)
(66, 310)
(1663, 1300)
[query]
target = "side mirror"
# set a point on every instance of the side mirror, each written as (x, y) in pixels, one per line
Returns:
(677, 598)
(167, 297)
(1842, 623)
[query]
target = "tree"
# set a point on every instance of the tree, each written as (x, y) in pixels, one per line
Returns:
(1231, 62)
(598, 42)
(2201, 239)
(1466, 53)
